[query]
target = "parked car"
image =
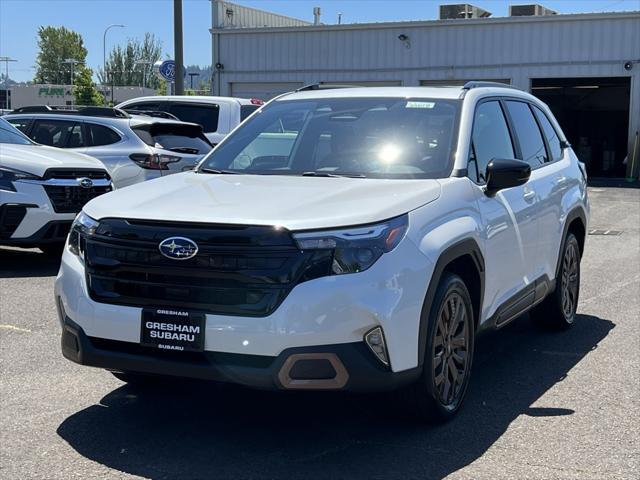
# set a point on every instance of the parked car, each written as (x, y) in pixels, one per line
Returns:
(42, 189)
(134, 148)
(366, 255)
(217, 115)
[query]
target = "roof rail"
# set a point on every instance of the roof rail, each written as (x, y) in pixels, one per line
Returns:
(323, 86)
(34, 109)
(103, 112)
(478, 84)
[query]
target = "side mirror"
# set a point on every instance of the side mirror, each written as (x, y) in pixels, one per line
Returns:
(504, 173)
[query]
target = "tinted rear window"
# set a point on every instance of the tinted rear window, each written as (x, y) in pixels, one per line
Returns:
(205, 115)
(174, 137)
(246, 110)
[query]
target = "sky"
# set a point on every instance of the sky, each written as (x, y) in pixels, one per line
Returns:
(20, 19)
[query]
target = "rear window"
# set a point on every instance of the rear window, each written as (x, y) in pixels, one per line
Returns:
(246, 110)
(174, 137)
(204, 115)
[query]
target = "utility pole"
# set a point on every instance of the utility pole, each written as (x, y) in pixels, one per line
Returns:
(191, 75)
(177, 46)
(145, 64)
(72, 62)
(6, 61)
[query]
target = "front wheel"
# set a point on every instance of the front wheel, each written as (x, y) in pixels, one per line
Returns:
(558, 310)
(438, 394)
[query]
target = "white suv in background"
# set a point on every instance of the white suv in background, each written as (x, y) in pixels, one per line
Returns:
(217, 115)
(134, 148)
(340, 239)
(42, 189)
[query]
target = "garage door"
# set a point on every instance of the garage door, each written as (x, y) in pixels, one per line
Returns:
(262, 90)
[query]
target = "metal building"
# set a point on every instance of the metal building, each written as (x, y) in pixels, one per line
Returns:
(585, 66)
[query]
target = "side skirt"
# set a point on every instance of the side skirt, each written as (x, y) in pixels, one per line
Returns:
(520, 303)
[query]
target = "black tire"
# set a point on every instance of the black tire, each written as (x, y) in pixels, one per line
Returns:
(52, 249)
(446, 350)
(558, 310)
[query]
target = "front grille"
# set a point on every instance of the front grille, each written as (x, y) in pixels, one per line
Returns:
(71, 199)
(246, 270)
(74, 173)
(10, 218)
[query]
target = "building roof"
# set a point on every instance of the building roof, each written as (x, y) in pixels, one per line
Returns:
(572, 17)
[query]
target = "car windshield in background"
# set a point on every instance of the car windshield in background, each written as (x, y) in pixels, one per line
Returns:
(363, 137)
(10, 134)
(174, 137)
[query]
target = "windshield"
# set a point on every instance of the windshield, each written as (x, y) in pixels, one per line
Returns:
(364, 137)
(10, 134)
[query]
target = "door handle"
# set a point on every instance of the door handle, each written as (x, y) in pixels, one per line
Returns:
(529, 195)
(560, 180)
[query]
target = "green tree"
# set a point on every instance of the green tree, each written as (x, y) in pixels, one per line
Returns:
(56, 45)
(132, 65)
(84, 88)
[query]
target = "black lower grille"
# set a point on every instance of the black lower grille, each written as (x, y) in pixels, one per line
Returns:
(71, 199)
(10, 218)
(244, 271)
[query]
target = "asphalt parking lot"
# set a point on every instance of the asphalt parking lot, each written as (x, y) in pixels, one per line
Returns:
(540, 405)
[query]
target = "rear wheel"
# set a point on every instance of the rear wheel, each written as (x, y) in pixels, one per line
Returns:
(558, 310)
(439, 392)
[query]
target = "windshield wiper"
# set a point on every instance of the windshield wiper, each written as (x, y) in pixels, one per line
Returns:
(185, 150)
(217, 172)
(332, 175)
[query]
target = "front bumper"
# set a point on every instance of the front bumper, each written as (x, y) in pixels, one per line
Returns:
(327, 311)
(353, 367)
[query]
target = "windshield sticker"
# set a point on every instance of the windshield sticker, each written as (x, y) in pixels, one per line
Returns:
(414, 104)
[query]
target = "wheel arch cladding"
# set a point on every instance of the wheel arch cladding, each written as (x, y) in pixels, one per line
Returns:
(464, 259)
(575, 223)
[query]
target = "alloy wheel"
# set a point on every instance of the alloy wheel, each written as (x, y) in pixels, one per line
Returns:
(451, 349)
(569, 281)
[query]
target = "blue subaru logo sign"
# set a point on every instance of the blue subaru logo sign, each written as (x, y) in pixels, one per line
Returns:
(85, 182)
(178, 248)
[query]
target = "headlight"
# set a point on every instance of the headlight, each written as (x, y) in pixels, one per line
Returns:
(9, 175)
(355, 249)
(82, 226)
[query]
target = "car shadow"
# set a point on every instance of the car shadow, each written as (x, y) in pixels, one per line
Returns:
(196, 430)
(21, 263)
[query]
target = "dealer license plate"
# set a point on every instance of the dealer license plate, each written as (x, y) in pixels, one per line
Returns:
(172, 329)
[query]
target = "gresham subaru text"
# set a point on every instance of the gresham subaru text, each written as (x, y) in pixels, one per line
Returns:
(339, 239)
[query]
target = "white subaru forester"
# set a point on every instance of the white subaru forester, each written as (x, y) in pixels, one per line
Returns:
(352, 238)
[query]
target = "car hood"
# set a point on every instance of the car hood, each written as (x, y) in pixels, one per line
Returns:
(292, 202)
(36, 159)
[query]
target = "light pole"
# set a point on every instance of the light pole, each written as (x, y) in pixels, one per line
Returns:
(104, 49)
(6, 61)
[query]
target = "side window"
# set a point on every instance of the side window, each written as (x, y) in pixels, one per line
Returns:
(550, 134)
(52, 132)
(490, 137)
(97, 135)
(205, 115)
(528, 133)
(21, 124)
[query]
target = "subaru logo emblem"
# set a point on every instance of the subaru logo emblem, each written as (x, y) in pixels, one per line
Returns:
(178, 248)
(85, 182)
